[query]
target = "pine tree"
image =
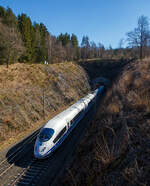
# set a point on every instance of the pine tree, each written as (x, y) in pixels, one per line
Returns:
(74, 41)
(2, 12)
(64, 38)
(28, 37)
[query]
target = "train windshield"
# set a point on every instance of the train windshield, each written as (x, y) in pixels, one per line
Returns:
(46, 134)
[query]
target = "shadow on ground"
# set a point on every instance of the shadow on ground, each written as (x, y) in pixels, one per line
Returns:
(21, 149)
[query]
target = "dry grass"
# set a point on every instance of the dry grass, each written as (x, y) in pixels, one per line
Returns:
(116, 149)
(23, 87)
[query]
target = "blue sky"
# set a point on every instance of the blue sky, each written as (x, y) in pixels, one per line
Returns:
(105, 21)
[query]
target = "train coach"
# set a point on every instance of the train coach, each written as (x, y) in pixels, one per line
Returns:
(54, 132)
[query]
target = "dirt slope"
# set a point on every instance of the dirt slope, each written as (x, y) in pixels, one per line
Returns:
(116, 148)
(24, 87)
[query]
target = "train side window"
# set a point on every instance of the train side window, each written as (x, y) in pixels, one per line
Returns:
(71, 122)
(60, 134)
(68, 125)
(77, 115)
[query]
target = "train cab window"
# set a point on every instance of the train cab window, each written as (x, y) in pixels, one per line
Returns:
(46, 134)
(60, 134)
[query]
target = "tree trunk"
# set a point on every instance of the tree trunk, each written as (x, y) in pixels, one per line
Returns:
(141, 52)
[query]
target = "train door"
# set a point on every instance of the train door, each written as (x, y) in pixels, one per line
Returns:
(85, 106)
(68, 123)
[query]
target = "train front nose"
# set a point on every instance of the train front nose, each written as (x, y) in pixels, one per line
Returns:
(39, 151)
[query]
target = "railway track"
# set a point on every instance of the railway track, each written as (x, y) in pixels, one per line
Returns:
(21, 168)
(18, 153)
(32, 174)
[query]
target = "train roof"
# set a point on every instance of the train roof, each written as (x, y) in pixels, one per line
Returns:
(61, 119)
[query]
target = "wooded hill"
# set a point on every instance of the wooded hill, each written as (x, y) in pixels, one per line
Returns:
(22, 40)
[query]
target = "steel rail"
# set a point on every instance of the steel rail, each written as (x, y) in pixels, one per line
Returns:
(31, 174)
(15, 154)
(18, 149)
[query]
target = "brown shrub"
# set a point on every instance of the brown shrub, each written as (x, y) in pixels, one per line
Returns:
(23, 88)
(119, 139)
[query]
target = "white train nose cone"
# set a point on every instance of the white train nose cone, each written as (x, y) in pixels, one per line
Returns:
(39, 150)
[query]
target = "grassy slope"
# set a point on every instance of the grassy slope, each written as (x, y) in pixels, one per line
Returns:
(21, 95)
(115, 150)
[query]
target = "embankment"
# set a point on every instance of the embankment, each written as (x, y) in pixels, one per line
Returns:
(115, 150)
(32, 94)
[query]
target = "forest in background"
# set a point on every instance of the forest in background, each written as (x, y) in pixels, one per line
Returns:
(24, 41)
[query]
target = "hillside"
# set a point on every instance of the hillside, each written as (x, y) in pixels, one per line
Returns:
(23, 88)
(115, 150)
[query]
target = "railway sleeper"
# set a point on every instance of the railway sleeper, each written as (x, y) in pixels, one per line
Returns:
(40, 166)
(20, 183)
(31, 173)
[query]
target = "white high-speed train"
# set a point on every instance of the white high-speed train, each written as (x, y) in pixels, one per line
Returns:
(54, 132)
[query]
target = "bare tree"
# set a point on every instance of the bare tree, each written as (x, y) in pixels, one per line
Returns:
(93, 49)
(121, 43)
(140, 36)
(49, 47)
(101, 50)
(11, 44)
(85, 46)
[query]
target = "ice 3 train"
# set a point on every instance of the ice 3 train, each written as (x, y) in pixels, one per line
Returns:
(54, 132)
